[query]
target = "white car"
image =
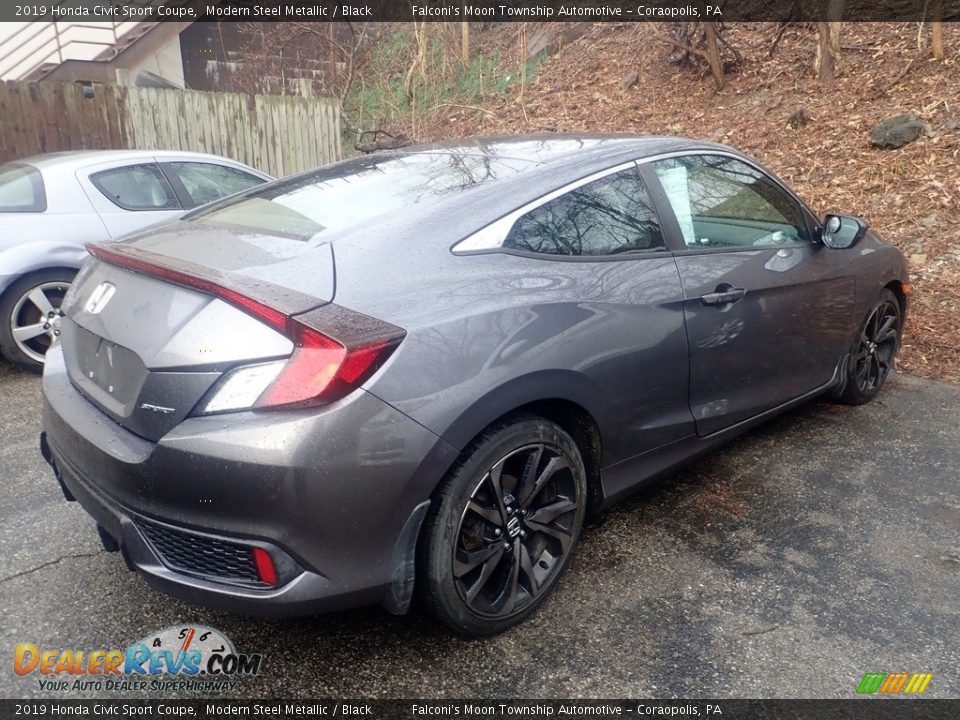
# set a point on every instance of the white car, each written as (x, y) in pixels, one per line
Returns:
(51, 205)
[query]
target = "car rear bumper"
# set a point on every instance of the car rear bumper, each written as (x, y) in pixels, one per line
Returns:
(335, 495)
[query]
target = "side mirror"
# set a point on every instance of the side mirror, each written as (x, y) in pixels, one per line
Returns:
(842, 231)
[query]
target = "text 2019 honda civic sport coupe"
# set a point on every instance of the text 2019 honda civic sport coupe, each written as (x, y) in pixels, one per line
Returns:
(420, 370)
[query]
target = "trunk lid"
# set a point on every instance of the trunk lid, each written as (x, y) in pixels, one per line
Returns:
(145, 349)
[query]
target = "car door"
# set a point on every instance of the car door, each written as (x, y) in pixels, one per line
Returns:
(767, 308)
(199, 183)
(621, 322)
(131, 195)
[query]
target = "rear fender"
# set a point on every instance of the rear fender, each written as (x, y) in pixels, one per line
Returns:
(524, 390)
(24, 258)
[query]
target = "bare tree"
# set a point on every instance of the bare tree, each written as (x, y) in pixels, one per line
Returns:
(703, 41)
(828, 45)
(936, 29)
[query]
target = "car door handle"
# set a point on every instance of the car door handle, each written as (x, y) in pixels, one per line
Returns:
(723, 296)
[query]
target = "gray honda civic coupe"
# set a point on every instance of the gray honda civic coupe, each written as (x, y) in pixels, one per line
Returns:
(412, 375)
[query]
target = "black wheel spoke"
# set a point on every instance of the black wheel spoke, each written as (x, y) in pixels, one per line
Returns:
(528, 480)
(553, 531)
(490, 514)
(888, 337)
(467, 560)
(526, 565)
(486, 572)
(554, 465)
(548, 513)
(496, 481)
(506, 602)
(885, 328)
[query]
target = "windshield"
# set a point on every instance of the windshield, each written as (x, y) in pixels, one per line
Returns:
(351, 194)
(21, 189)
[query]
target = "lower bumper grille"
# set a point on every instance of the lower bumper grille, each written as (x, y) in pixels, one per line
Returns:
(201, 555)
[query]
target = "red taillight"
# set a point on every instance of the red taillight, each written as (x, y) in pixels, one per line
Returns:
(266, 570)
(322, 368)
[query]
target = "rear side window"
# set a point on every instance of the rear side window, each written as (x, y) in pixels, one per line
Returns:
(609, 216)
(21, 189)
(345, 196)
(136, 187)
(206, 182)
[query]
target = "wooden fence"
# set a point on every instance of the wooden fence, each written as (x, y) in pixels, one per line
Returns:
(279, 135)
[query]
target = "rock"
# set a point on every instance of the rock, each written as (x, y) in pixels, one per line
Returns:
(895, 132)
(629, 80)
(930, 220)
(953, 124)
(547, 40)
(918, 259)
(798, 119)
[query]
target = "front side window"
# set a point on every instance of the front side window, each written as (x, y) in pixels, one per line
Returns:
(136, 187)
(723, 202)
(609, 216)
(206, 182)
(21, 189)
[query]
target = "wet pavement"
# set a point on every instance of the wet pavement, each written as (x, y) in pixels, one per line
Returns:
(824, 545)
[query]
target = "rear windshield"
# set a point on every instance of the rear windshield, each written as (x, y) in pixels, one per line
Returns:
(337, 199)
(21, 189)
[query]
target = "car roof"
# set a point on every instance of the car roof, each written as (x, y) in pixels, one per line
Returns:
(541, 148)
(540, 164)
(560, 148)
(76, 159)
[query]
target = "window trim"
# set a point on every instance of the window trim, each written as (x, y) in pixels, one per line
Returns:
(95, 181)
(35, 176)
(649, 173)
(491, 237)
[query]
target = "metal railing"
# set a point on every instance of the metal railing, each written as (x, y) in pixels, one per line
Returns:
(52, 42)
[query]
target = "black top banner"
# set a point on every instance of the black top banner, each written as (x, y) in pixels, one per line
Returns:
(483, 10)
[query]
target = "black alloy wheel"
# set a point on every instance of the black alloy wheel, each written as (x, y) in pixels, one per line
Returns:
(874, 352)
(504, 527)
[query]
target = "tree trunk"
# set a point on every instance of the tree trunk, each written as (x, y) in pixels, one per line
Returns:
(936, 29)
(826, 58)
(465, 42)
(828, 46)
(713, 54)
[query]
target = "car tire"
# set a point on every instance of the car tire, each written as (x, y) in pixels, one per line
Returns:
(503, 526)
(27, 304)
(874, 351)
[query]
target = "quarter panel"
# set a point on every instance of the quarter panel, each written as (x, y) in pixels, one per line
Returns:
(489, 333)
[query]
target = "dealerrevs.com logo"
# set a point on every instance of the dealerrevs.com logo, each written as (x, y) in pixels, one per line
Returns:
(178, 658)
